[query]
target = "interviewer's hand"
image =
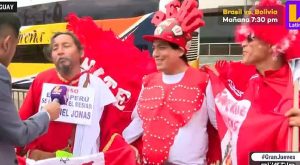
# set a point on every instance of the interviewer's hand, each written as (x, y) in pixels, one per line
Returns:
(53, 108)
(294, 117)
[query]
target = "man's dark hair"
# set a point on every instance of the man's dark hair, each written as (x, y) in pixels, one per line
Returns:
(175, 46)
(11, 20)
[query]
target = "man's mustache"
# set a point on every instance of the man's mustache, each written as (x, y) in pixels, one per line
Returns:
(63, 59)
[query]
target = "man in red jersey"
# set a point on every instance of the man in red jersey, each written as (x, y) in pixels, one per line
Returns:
(255, 110)
(66, 54)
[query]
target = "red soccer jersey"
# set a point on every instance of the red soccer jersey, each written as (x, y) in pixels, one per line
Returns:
(58, 133)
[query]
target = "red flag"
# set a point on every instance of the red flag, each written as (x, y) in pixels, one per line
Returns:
(118, 152)
(213, 155)
(21, 160)
(255, 121)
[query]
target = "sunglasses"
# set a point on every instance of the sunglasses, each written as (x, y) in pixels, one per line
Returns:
(250, 37)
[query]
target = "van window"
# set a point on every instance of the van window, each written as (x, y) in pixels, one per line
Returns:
(30, 54)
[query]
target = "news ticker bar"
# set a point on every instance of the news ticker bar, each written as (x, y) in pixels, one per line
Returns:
(275, 158)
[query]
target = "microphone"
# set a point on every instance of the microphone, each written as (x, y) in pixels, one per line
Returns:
(59, 94)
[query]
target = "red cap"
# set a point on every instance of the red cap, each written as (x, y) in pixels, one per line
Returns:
(168, 30)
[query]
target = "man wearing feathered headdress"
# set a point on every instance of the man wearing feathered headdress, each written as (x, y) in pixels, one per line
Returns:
(255, 109)
(172, 110)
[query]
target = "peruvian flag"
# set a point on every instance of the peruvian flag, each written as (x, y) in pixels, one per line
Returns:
(250, 110)
(118, 153)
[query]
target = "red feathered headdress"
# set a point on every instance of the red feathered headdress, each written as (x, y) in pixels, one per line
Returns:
(283, 41)
(178, 23)
(119, 59)
(117, 62)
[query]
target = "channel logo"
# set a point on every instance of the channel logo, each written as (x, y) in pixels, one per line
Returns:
(293, 14)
